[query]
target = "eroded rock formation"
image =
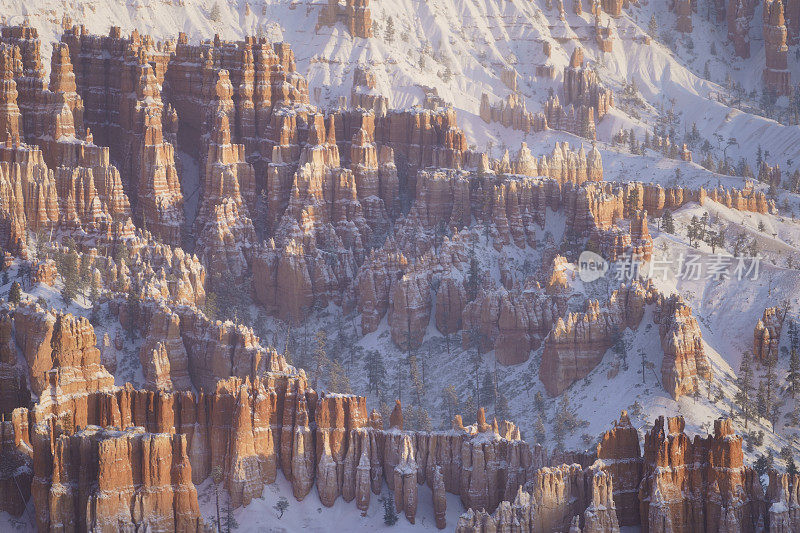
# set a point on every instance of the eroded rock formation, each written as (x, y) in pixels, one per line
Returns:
(700, 484)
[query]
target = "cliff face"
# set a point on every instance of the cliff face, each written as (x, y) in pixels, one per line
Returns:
(129, 479)
(621, 457)
(575, 346)
(245, 431)
(562, 497)
(700, 484)
(60, 351)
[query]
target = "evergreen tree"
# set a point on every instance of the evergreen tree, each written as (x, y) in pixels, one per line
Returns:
(338, 381)
(476, 360)
(389, 30)
(375, 371)
(633, 198)
(793, 377)
(693, 231)
(95, 286)
(487, 390)
(762, 407)
(761, 465)
(216, 13)
(539, 433)
(447, 75)
(281, 506)
(501, 408)
(539, 403)
(15, 293)
(791, 468)
(667, 223)
(389, 513)
(216, 476)
(451, 402)
(652, 27)
(470, 410)
(564, 421)
(744, 385)
(229, 521)
(321, 361)
(770, 379)
(473, 275)
(211, 309)
(84, 275)
(69, 275)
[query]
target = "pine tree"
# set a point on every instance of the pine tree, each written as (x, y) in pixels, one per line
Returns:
(633, 198)
(473, 276)
(69, 275)
(216, 476)
(15, 293)
(229, 521)
(539, 403)
(667, 223)
(770, 379)
(652, 27)
(693, 231)
(539, 433)
(375, 371)
(389, 513)
(215, 14)
(84, 274)
(281, 506)
(338, 381)
(564, 421)
(447, 75)
(487, 390)
(762, 407)
(211, 309)
(476, 360)
(744, 385)
(791, 468)
(321, 361)
(501, 408)
(451, 402)
(470, 410)
(389, 36)
(95, 286)
(794, 373)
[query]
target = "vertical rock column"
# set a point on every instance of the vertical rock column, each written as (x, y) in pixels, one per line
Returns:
(776, 75)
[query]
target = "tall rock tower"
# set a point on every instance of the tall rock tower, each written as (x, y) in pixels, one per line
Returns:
(776, 76)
